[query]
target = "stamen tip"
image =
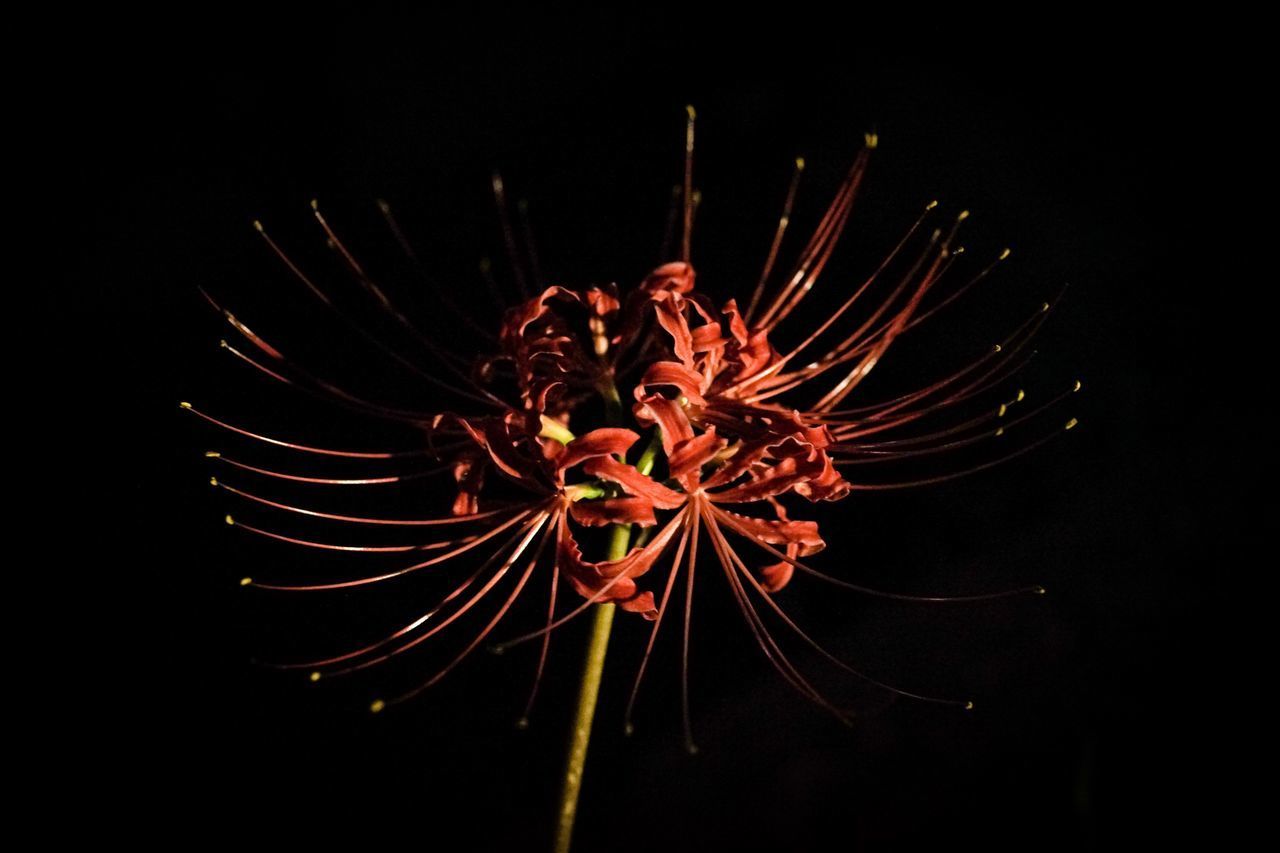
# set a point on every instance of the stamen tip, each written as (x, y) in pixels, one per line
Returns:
(522, 723)
(213, 481)
(628, 730)
(376, 706)
(1040, 590)
(964, 214)
(931, 205)
(497, 182)
(212, 454)
(258, 227)
(691, 748)
(230, 520)
(497, 649)
(314, 677)
(222, 342)
(1022, 395)
(1004, 407)
(1079, 385)
(383, 206)
(799, 164)
(315, 204)
(1006, 253)
(998, 348)
(1000, 432)
(1044, 307)
(184, 405)
(872, 139)
(245, 581)
(690, 111)
(1071, 423)
(968, 706)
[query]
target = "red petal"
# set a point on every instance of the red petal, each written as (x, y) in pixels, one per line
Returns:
(634, 482)
(628, 510)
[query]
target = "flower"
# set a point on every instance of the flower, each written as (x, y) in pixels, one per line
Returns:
(728, 436)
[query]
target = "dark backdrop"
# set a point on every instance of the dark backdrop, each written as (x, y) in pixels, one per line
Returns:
(1098, 706)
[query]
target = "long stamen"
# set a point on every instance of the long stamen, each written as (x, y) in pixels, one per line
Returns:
(325, 481)
(731, 522)
(358, 519)
(479, 540)
(653, 632)
(323, 451)
(783, 222)
(687, 239)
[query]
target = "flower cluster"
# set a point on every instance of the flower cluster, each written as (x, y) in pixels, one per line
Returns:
(661, 414)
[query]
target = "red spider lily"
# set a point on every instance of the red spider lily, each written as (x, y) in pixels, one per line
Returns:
(706, 383)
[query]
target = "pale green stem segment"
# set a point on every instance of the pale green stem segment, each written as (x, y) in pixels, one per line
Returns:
(588, 691)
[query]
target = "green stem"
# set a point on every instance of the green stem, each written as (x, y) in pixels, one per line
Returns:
(588, 691)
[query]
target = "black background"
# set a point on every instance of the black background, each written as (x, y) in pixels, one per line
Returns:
(1101, 707)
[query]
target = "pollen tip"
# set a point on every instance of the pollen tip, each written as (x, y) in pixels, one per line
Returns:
(314, 676)
(212, 454)
(497, 649)
(998, 348)
(258, 226)
(931, 205)
(1040, 590)
(222, 342)
(184, 405)
(213, 481)
(1004, 407)
(958, 250)
(315, 204)
(690, 111)
(383, 206)
(872, 139)
(1044, 307)
(1022, 395)
(964, 214)
(1006, 253)
(799, 164)
(1000, 432)
(1071, 423)
(1079, 385)
(968, 706)
(628, 730)
(376, 706)
(230, 520)
(245, 581)
(691, 748)
(522, 723)
(497, 181)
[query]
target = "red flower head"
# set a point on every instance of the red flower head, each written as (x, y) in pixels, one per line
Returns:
(673, 420)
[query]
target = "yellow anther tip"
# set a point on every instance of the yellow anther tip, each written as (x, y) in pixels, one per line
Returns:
(522, 723)
(245, 581)
(315, 676)
(184, 405)
(1044, 307)
(258, 226)
(1022, 395)
(998, 348)
(690, 111)
(230, 520)
(1006, 253)
(964, 214)
(800, 163)
(1004, 407)
(1000, 432)
(212, 454)
(1040, 590)
(872, 139)
(213, 481)
(376, 706)
(315, 204)
(1079, 385)
(968, 706)
(931, 205)
(1071, 423)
